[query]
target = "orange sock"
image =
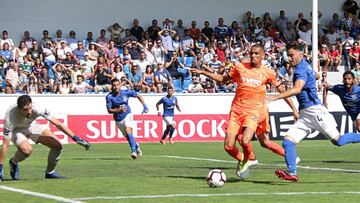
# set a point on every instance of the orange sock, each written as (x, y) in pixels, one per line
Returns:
(234, 152)
(251, 155)
(276, 148)
(247, 151)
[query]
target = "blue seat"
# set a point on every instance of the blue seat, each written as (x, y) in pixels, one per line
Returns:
(177, 85)
(186, 84)
(181, 59)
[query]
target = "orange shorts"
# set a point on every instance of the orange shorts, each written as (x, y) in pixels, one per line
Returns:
(239, 120)
(263, 125)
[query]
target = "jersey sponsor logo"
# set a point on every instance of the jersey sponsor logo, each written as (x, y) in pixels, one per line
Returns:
(251, 81)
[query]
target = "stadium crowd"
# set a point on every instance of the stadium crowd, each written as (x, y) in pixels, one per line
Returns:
(149, 60)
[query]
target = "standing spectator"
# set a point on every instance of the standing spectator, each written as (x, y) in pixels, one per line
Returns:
(28, 39)
(207, 30)
(102, 40)
(281, 22)
(137, 31)
(72, 41)
(153, 30)
(49, 55)
(180, 29)
(221, 30)
(35, 52)
(116, 31)
(6, 39)
(347, 43)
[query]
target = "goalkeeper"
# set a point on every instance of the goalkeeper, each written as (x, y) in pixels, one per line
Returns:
(20, 126)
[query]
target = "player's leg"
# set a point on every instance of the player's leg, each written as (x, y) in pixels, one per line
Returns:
(357, 124)
(48, 139)
(252, 156)
(172, 130)
(230, 138)
(250, 125)
(135, 147)
(268, 144)
(166, 132)
(4, 149)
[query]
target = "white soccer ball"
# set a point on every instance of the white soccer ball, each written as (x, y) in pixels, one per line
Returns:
(216, 178)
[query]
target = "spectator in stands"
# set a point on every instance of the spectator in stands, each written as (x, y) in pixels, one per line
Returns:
(62, 50)
(110, 51)
(332, 35)
(324, 58)
(288, 78)
(35, 52)
(49, 57)
(200, 43)
(32, 86)
(355, 30)
(44, 81)
(116, 31)
(6, 39)
(87, 66)
(72, 40)
(172, 67)
(93, 53)
(267, 21)
(88, 40)
(321, 83)
(153, 30)
(354, 54)
(194, 31)
(80, 87)
(281, 22)
(179, 28)
(347, 43)
(347, 20)
(335, 58)
(166, 38)
(301, 20)
(195, 85)
(150, 56)
(188, 44)
(137, 31)
(351, 7)
(304, 32)
(162, 78)
(59, 71)
(168, 24)
(64, 87)
(27, 66)
(356, 72)
(102, 40)
(335, 22)
(207, 30)
(158, 51)
(289, 33)
(118, 72)
(148, 80)
(45, 39)
(69, 61)
(73, 72)
(135, 76)
(59, 37)
(142, 63)
(28, 39)
(208, 85)
(79, 52)
(221, 30)
(128, 38)
(20, 52)
(12, 79)
(215, 64)
(37, 67)
(102, 77)
(220, 49)
(6, 53)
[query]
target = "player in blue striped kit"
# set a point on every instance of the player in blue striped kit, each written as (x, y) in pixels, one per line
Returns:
(117, 104)
(313, 115)
(349, 95)
(169, 103)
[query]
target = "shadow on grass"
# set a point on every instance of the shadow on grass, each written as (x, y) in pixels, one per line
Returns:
(333, 162)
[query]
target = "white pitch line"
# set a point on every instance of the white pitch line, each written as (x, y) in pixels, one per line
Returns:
(42, 195)
(219, 195)
(261, 164)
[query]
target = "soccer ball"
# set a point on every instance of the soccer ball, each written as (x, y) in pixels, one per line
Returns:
(216, 178)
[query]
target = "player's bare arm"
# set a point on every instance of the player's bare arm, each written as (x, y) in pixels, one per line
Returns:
(299, 84)
(281, 89)
(217, 77)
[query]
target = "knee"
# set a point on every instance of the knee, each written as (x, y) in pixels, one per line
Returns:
(26, 151)
(288, 143)
(227, 147)
(57, 147)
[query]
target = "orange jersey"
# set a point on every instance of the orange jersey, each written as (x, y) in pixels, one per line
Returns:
(251, 87)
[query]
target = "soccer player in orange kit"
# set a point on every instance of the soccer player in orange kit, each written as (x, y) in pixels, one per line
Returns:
(248, 104)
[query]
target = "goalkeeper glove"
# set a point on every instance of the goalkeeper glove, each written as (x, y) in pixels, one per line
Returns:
(81, 142)
(145, 110)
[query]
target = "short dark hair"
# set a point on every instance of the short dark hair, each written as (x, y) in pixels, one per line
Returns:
(348, 72)
(293, 45)
(115, 80)
(23, 101)
(258, 46)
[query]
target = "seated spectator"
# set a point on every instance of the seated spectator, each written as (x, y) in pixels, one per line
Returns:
(188, 45)
(288, 78)
(102, 40)
(88, 40)
(125, 56)
(118, 72)
(45, 39)
(135, 76)
(59, 71)
(12, 79)
(179, 28)
(148, 80)
(6, 53)
(49, 56)
(87, 67)
(335, 58)
(79, 52)
(62, 50)
(1, 84)
(195, 85)
(354, 54)
(215, 64)
(37, 67)
(134, 50)
(28, 40)
(166, 38)
(221, 30)
(73, 71)
(153, 30)
(194, 31)
(172, 67)
(44, 81)
(81, 87)
(20, 52)
(27, 66)
(102, 77)
(93, 52)
(32, 86)
(208, 85)
(64, 87)
(162, 78)
(6, 39)
(356, 72)
(168, 24)
(158, 51)
(324, 59)
(207, 30)
(23, 79)
(69, 61)
(128, 37)
(142, 63)
(137, 31)
(72, 40)
(58, 37)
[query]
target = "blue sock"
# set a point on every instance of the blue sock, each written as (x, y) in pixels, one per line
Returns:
(132, 142)
(172, 129)
(348, 138)
(166, 132)
(290, 155)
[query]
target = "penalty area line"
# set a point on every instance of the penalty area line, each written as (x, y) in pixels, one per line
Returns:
(42, 195)
(261, 164)
(218, 195)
